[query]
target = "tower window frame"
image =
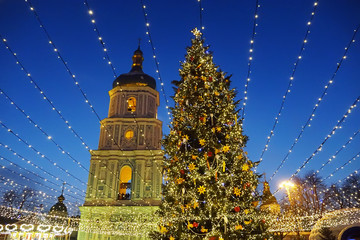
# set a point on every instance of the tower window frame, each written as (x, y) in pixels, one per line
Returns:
(131, 104)
(129, 134)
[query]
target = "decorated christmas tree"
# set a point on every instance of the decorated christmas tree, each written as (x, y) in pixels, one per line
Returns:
(209, 190)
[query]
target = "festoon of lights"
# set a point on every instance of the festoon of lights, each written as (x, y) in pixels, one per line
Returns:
(290, 84)
(251, 52)
(27, 116)
(29, 179)
(28, 161)
(201, 10)
(323, 94)
(147, 25)
(355, 157)
(67, 67)
(328, 136)
(333, 157)
(40, 154)
(44, 96)
(28, 171)
(100, 38)
(49, 101)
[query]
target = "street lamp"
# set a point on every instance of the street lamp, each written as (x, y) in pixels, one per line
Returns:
(287, 185)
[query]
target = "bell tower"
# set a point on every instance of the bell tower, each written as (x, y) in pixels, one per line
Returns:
(125, 172)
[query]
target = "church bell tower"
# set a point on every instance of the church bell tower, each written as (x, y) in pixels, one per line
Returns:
(125, 179)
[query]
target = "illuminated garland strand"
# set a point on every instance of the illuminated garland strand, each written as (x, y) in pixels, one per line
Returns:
(201, 9)
(24, 168)
(356, 156)
(28, 161)
(337, 152)
(337, 126)
(318, 149)
(27, 178)
(56, 50)
(324, 93)
(101, 41)
(147, 24)
(39, 153)
(60, 148)
(290, 82)
(251, 51)
(45, 97)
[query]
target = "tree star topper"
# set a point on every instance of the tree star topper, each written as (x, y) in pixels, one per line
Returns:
(196, 33)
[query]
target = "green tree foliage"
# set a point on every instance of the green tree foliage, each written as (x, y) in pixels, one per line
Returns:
(210, 186)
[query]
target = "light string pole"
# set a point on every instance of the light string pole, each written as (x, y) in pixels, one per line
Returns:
(100, 38)
(328, 136)
(319, 100)
(290, 84)
(251, 52)
(147, 25)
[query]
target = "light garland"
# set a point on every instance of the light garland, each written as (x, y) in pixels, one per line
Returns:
(100, 38)
(201, 10)
(328, 136)
(27, 116)
(251, 52)
(147, 25)
(28, 161)
(266, 147)
(40, 154)
(324, 93)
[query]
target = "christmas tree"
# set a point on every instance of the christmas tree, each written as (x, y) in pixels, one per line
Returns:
(209, 190)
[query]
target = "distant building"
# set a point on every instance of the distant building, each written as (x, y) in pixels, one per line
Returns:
(124, 185)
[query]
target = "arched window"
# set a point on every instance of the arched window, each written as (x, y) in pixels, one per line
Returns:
(129, 134)
(131, 104)
(125, 183)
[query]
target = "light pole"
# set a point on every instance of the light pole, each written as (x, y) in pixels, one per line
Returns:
(287, 185)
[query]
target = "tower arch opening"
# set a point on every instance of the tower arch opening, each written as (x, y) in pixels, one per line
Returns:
(125, 183)
(131, 104)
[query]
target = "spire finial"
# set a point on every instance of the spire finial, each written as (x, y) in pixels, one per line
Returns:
(139, 43)
(62, 191)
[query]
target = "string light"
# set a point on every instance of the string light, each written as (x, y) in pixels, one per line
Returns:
(324, 93)
(44, 96)
(251, 52)
(28, 161)
(40, 154)
(328, 136)
(342, 166)
(100, 38)
(201, 10)
(60, 148)
(288, 90)
(155, 58)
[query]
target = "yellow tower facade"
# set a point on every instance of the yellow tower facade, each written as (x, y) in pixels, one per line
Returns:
(124, 185)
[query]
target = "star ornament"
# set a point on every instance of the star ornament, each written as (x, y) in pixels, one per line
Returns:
(196, 33)
(201, 189)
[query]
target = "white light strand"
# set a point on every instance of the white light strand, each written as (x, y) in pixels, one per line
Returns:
(27, 116)
(59, 56)
(251, 52)
(28, 161)
(44, 96)
(266, 147)
(147, 25)
(40, 154)
(100, 38)
(312, 114)
(201, 10)
(342, 166)
(328, 136)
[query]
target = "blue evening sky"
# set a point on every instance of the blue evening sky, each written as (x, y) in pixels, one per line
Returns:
(228, 27)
